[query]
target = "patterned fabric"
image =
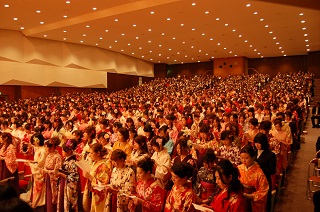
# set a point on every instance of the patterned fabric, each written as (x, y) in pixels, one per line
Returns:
(180, 199)
(152, 194)
(122, 179)
(205, 178)
(163, 163)
(126, 147)
(9, 155)
(231, 153)
(236, 202)
(68, 191)
(255, 182)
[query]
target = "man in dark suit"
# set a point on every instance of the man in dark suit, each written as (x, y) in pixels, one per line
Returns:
(315, 115)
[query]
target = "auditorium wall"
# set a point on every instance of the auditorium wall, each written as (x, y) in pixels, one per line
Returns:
(224, 67)
(189, 69)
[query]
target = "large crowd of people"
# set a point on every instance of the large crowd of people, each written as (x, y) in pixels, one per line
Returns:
(165, 145)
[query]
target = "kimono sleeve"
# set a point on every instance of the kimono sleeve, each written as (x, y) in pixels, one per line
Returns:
(261, 186)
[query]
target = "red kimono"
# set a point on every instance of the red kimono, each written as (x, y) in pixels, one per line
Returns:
(180, 199)
(236, 202)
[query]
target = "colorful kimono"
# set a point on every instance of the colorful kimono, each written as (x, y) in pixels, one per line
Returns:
(122, 179)
(9, 166)
(163, 161)
(51, 168)
(126, 147)
(101, 176)
(282, 138)
(256, 183)
(206, 186)
(236, 202)
(152, 194)
(37, 191)
(180, 199)
(68, 188)
(188, 159)
(232, 153)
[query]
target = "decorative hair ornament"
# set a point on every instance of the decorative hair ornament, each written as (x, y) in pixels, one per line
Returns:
(69, 144)
(36, 141)
(106, 136)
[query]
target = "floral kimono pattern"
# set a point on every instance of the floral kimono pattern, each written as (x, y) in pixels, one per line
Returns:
(180, 199)
(236, 203)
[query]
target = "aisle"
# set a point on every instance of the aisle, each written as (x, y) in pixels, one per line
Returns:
(293, 195)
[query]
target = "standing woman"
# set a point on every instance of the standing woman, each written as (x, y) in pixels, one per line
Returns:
(8, 163)
(50, 170)
(40, 154)
(181, 196)
(122, 142)
(267, 161)
(98, 176)
(140, 150)
(69, 178)
(48, 130)
(253, 180)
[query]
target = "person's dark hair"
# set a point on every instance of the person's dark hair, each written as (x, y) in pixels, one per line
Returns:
(155, 143)
(117, 125)
(69, 123)
(91, 131)
(254, 122)
(251, 109)
(130, 120)
(78, 133)
(204, 128)
(146, 164)
(97, 147)
(225, 168)
(48, 123)
(8, 192)
(182, 170)
(227, 134)
(52, 142)
(37, 138)
(104, 122)
(124, 132)
(263, 140)
(183, 142)
(69, 145)
(265, 125)
(7, 138)
(118, 154)
(142, 142)
(15, 204)
(277, 121)
(209, 156)
(249, 150)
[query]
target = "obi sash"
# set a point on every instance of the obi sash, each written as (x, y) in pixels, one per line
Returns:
(207, 190)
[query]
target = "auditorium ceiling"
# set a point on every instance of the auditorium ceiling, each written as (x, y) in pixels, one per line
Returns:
(172, 31)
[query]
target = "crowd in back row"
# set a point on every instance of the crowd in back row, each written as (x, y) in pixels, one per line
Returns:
(159, 146)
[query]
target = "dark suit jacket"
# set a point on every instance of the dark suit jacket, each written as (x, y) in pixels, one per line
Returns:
(315, 111)
(267, 162)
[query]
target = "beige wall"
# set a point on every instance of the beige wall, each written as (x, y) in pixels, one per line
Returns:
(41, 62)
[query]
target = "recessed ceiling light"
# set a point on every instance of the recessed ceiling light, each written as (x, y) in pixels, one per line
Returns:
(266, 26)
(68, 2)
(207, 54)
(274, 38)
(226, 24)
(303, 22)
(193, 29)
(65, 16)
(6, 5)
(15, 19)
(100, 38)
(150, 51)
(64, 38)
(304, 28)
(22, 27)
(168, 57)
(240, 36)
(84, 35)
(159, 54)
(151, 12)
(270, 32)
(97, 44)
(233, 30)
(206, 12)
(261, 56)
(142, 56)
(277, 43)
(122, 34)
(169, 49)
(64, 30)
(224, 48)
(261, 19)
(250, 46)
(168, 19)
(218, 44)
(116, 20)
(248, 5)
(129, 44)
(193, 4)
(211, 38)
(178, 52)
(45, 36)
(137, 37)
(308, 49)
(160, 45)
(186, 56)
(307, 45)
(285, 55)
(301, 14)
(212, 57)
(183, 42)
(87, 26)
(41, 22)
(38, 11)
(192, 47)
(230, 52)
(94, 8)
(234, 55)
(149, 30)
(81, 41)
(107, 30)
(134, 25)
(306, 40)
(149, 41)
(181, 24)
(116, 41)
(162, 33)
(255, 13)
(200, 50)
(305, 35)
(217, 19)
(258, 52)
(246, 41)
(280, 47)
(140, 47)
(203, 34)
(122, 50)
(132, 53)
(255, 50)
(110, 47)
(282, 51)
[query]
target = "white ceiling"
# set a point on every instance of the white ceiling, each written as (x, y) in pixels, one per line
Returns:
(209, 29)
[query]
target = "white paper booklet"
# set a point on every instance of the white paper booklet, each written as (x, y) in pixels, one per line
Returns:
(84, 165)
(201, 208)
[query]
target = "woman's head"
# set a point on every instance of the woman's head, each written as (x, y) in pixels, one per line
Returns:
(118, 157)
(144, 168)
(209, 158)
(6, 138)
(37, 139)
(52, 143)
(247, 155)
(89, 133)
(68, 147)
(123, 134)
(77, 134)
(227, 176)
(183, 147)
(140, 143)
(157, 143)
(277, 124)
(181, 172)
(265, 127)
(261, 141)
(253, 123)
(97, 151)
(227, 137)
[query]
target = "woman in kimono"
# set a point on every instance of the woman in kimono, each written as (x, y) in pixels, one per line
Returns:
(182, 195)
(206, 186)
(122, 183)
(253, 180)
(149, 195)
(140, 150)
(69, 178)
(230, 198)
(162, 161)
(94, 198)
(37, 196)
(48, 130)
(50, 170)
(122, 142)
(8, 163)
(229, 150)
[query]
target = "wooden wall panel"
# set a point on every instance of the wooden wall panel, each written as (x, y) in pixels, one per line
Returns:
(118, 82)
(229, 66)
(36, 91)
(160, 70)
(65, 90)
(9, 91)
(190, 69)
(275, 65)
(314, 63)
